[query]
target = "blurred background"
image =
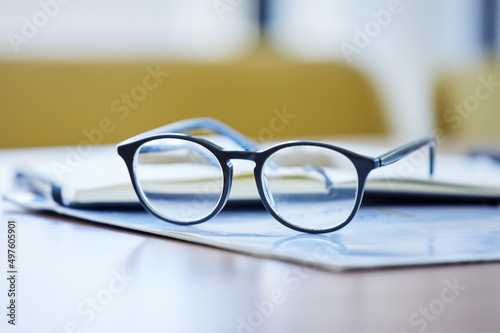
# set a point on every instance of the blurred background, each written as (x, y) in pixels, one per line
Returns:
(88, 72)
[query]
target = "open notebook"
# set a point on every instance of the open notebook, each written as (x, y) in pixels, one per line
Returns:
(101, 179)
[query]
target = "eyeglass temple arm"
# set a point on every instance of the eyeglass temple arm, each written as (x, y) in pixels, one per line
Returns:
(186, 125)
(405, 150)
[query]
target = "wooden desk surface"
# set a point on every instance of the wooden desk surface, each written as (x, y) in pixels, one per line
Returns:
(74, 276)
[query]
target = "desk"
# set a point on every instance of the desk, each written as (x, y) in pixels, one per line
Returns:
(76, 276)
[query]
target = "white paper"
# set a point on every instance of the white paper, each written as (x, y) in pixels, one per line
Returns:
(382, 236)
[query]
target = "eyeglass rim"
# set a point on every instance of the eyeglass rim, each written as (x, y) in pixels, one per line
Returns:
(129, 150)
(363, 165)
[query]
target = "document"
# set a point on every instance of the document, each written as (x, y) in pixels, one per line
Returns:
(379, 236)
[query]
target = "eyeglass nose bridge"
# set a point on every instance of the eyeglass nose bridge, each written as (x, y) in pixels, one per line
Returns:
(252, 156)
(240, 155)
(229, 155)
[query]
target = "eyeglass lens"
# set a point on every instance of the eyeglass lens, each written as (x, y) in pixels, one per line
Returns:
(179, 179)
(310, 187)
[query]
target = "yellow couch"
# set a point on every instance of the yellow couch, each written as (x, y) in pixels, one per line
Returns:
(468, 102)
(67, 103)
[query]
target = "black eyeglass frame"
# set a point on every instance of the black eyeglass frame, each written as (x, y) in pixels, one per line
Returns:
(363, 164)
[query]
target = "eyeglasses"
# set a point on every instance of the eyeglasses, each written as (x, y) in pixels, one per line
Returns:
(308, 186)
